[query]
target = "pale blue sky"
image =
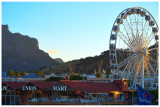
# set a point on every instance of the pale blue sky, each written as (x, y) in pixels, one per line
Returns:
(74, 29)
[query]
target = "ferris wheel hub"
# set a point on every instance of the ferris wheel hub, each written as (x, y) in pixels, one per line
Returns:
(145, 52)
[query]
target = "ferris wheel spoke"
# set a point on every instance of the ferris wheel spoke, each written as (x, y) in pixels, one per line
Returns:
(153, 49)
(137, 31)
(128, 70)
(154, 77)
(146, 27)
(148, 73)
(145, 32)
(132, 28)
(142, 31)
(149, 40)
(134, 62)
(139, 38)
(123, 37)
(125, 61)
(126, 30)
(151, 58)
(137, 71)
(131, 33)
(135, 24)
(140, 42)
(150, 66)
(127, 65)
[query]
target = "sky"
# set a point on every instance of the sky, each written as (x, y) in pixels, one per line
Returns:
(68, 30)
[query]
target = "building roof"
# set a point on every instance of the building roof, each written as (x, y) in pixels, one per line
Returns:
(15, 85)
(39, 84)
(93, 87)
(43, 84)
(90, 87)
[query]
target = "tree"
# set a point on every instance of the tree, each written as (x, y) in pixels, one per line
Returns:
(23, 73)
(38, 73)
(108, 71)
(98, 74)
(10, 73)
(154, 94)
(43, 76)
(17, 74)
(76, 77)
(85, 78)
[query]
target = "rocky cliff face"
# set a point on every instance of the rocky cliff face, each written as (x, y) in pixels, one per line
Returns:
(21, 52)
(59, 60)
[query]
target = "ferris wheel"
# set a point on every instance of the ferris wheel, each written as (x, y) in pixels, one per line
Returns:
(133, 48)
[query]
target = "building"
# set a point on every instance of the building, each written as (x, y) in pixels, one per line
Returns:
(64, 91)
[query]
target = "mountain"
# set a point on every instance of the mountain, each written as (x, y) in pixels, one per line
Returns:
(59, 60)
(83, 65)
(20, 52)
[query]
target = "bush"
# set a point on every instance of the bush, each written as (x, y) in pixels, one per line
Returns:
(55, 79)
(154, 94)
(85, 78)
(76, 77)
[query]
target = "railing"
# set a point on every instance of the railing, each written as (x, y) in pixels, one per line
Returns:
(73, 101)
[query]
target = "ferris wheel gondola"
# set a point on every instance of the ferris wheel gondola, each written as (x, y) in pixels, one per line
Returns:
(133, 47)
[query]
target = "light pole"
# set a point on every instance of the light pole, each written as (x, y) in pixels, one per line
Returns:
(142, 71)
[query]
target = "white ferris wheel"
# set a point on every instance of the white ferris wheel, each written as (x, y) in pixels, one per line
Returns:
(133, 48)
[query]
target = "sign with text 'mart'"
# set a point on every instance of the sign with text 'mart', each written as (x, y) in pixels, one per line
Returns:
(59, 88)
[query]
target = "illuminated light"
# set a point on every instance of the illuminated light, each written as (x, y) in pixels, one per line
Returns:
(40, 92)
(8, 91)
(116, 92)
(124, 82)
(132, 90)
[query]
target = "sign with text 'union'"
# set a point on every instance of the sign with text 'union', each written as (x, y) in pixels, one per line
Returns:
(29, 88)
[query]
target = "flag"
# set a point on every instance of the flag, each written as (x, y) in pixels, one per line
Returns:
(144, 97)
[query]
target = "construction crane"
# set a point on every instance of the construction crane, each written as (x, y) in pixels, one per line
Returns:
(70, 68)
(100, 66)
(98, 73)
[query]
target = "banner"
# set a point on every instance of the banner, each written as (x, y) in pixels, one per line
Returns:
(144, 97)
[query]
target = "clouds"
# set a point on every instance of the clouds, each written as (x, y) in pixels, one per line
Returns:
(52, 52)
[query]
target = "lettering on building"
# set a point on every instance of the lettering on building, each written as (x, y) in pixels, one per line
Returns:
(4, 87)
(29, 88)
(59, 88)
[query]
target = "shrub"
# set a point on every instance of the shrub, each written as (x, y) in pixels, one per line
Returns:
(76, 77)
(55, 79)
